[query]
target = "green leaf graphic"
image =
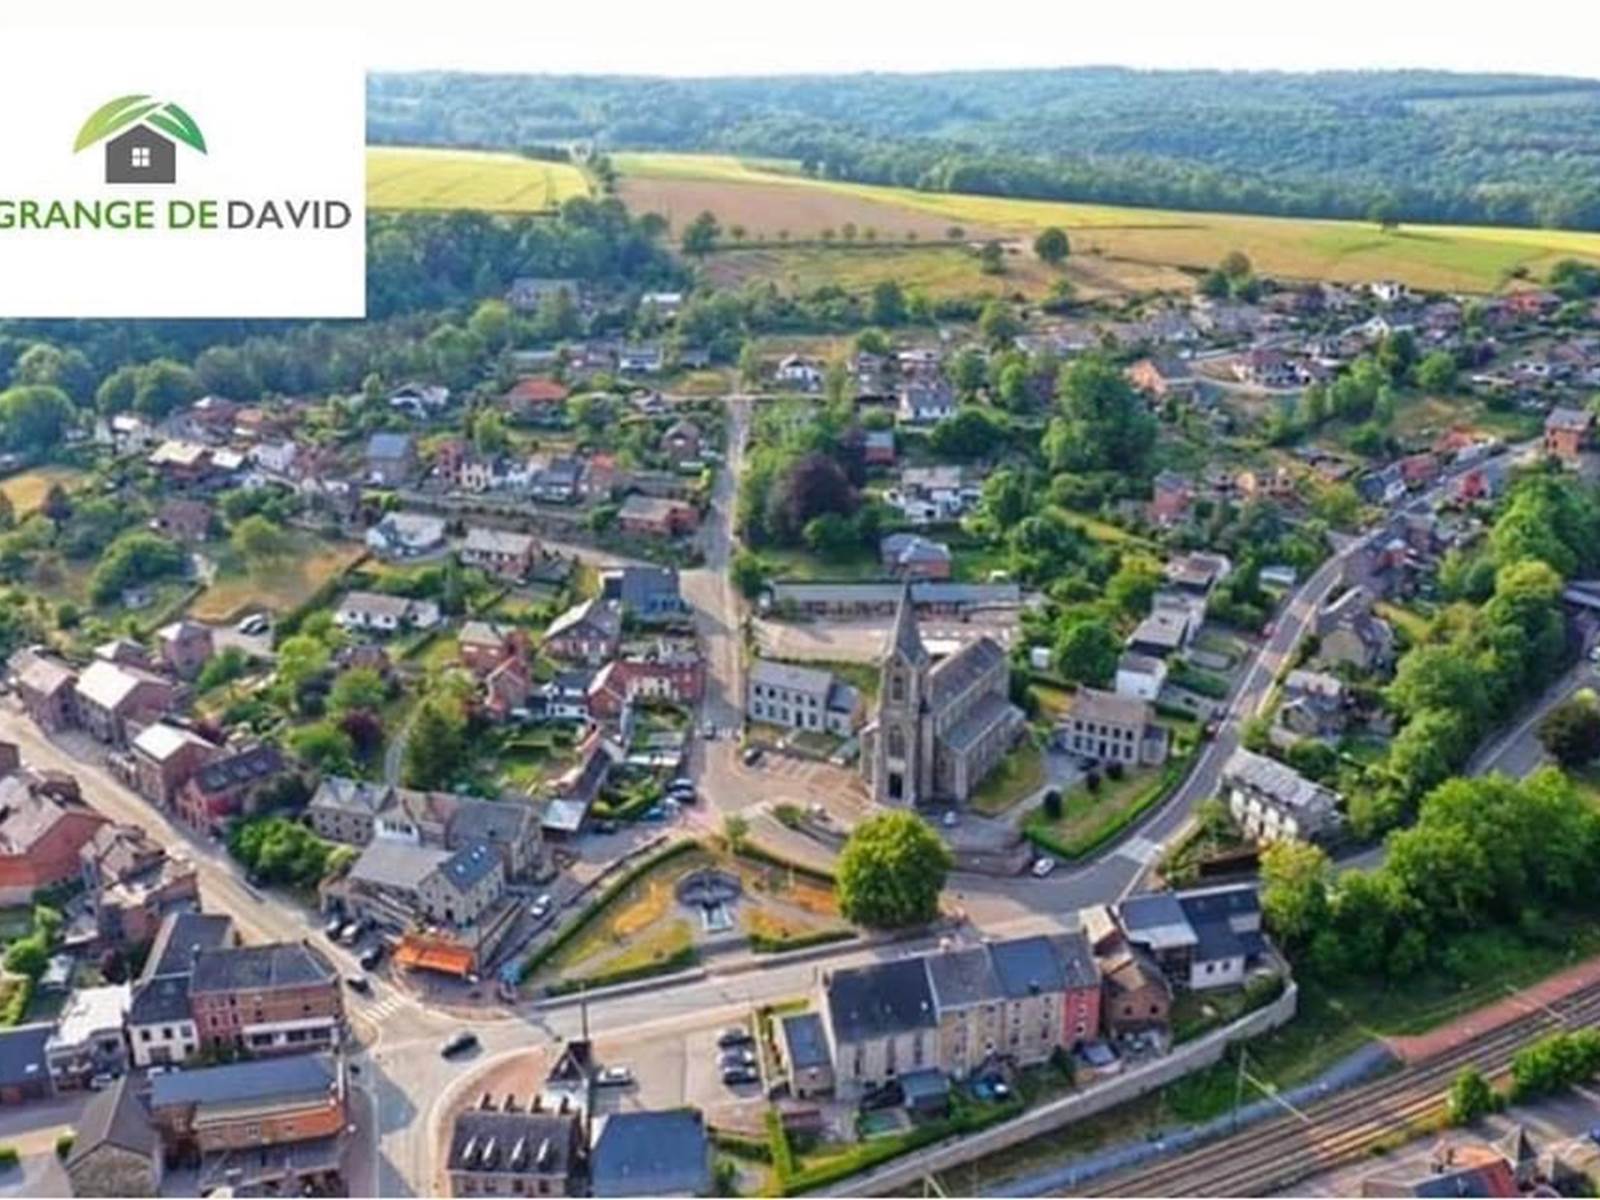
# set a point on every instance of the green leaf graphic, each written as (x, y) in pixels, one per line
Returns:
(109, 118)
(180, 125)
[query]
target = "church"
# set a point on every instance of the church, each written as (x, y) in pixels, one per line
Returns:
(940, 727)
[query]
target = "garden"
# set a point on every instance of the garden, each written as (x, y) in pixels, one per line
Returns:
(1097, 809)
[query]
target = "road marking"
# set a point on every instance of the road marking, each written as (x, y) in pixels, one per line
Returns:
(1140, 849)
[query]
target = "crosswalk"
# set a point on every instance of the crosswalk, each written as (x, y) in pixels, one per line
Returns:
(1140, 850)
(380, 1008)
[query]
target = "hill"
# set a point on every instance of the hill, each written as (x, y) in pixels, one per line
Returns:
(411, 177)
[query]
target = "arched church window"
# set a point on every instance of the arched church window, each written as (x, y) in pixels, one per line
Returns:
(897, 743)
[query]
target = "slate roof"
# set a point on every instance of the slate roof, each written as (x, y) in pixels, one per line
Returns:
(906, 641)
(22, 1058)
(351, 795)
(470, 865)
(992, 709)
(642, 588)
(106, 684)
(160, 1000)
(117, 1117)
(952, 676)
(532, 1143)
(805, 1041)
(389, 445)
(807, 680)
(392, 864)
(1157, 920)
(1076, 956)
(1108, 708)
(243, 767)
(181, 935)
(881, 1000)
(497, 822)
(276, 965)
(650, 1154)
(605, 619)
(261, 1081)
(1027, 966)
(963, 977)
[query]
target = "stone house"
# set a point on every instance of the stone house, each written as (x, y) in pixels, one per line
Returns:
(185, 647)
(115, 1150)
(280, 998)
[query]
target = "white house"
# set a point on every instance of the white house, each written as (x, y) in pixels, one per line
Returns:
(796, 370)
(406, 535)
(1140, 676)
(379, 613)
(275, 458)
(1273, 802)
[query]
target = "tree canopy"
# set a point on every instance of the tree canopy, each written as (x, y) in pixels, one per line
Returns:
(891, 871)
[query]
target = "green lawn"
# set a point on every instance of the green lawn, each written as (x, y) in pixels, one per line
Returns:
(412, 177)
(1408, 621)
(1090, 818)
(1019, 775)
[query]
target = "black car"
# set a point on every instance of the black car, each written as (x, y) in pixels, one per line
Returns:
(734, 1076)
(358, 983)
(890, 1095)
(734, 1035)
(741, 1056)
(371, 956)
(459, 1043)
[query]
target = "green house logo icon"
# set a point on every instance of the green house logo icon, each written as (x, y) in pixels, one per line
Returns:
(140, 136)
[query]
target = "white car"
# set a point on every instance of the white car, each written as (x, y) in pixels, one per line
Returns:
(615, 1077)
(252, 626)
(1043, 867)
(541, 906)
(950, 819)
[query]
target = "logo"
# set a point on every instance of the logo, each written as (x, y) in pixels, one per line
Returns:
(143, 153)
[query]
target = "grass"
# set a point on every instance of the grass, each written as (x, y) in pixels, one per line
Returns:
(282, 589)
(765, 197)
(804, 565)
(1408, 621)
(27, 490)
(1089, 819)
(1016, 777)
(412, 177)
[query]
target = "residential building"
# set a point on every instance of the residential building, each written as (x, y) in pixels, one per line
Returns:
(925, 400)
(1196, 574)
(47, 687)
(650, 1154)
(1160, 378)
(1204, 938)
(185, 646)
(588, 632)
(1568, 433)
(512, 1152)
(912, 556)
(87, 1040)
(184, 519)
(1138, 998)
(647, 358)
(1112, 728)
(1313, 706)
(877, 448)
(656, 516)
(1169, 628)
(112, 701)
(391, 459)
(499, 551)
(379, 612)
(1140, 677)
(681, 443)
(558, 481)
(1171, 498)
(802, 698)
(940, 727)
(800, 371)
(644, 592)
(575, 792)
(528, 293)
(1350, 634)
(163, 757)
(406, 535)
(160, 1022)
(132, 883)
(1272, 801)
(44, 828)
(279, 998)
(484, 645)
(227, 786)
(882, 1022)
(115, 1150)
(933, 495)
(677, 675)
(806, 1057)
(251, 1106)
(24, 1070)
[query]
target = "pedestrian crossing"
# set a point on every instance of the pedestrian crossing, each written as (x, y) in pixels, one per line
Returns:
(1140, 850)
(379, 1009)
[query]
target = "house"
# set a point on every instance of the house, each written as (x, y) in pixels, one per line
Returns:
(227, 786)
(396, 884)
(43, 831)
(645, 358)
(111, 700)
(575, 792)
(1262, 366)
(877, 448)
(182, 464)
(499, 551)
(184, 520)
(47, 687)
(1482, 481)
(1140, 677)
(1160, 378)
(1111, 728)
(163, 757)
(379, 612)
(539, 400)
(925, 400)
(512, 1152)
(557, 481)
(1419, 470)
(223, 1111)
(665, 672)
(527, 293)
(1458, 1170)
(124, 433)
(276, 459)
(483, 645)
(1568, 433)
(1349, 633)
(160, 1023)
(882, 1022)
(804, 1047)
(588, 632)
(406, 535)
(1272, 801)
(87, 1040)
(24, 1072)
(1197, 574)
(681, 442)
(1171, 497)
(912, 556)
(800, 371)
(644, 592)
(1203, 938)
(664, 305)
(802, 698)
(930, 495)
(391, 459)
(656, 516)
(185, 647)
(1167, 630)
(1313, 707)
(280, 998)
(132, 884)
(115, 1151)
(650, 1154)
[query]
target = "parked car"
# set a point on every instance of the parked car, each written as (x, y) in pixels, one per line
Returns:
(1043, 866)
(739, 1056)
(350, 932)
(950, 819)
(734, 1076)
(101, 1080)
(333, 926)
(614, 1077)
(681, 784)
(541, 906)
(734, 1035)
(371, 956)
(459, 1043)
(254, 625)
(751, 756)
(358, 983)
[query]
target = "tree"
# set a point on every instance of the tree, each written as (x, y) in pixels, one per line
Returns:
(735, 829)
(436, 747)
(1135, 582)
(1437, 372)
(1051, 246)
(165, 385)
(968, 372)
(888, 306)
(33, 417)
(57, 504)
(1052, 804)
(66, 368)
(998, 323)
(700, 235)
(749, 573)
(1571, 731)
(260, 542)
(891, 872)
(1470, 1097)
(1294, 889)
(971, 432)
(1105, 424)
(1087, 651)
(992, 258)
(358, 688)
(1235, 265)
(324, 747)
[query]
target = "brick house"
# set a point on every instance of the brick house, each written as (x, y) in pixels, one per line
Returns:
(227, 786)
(132, 884)
(1171, 497)
(280, 998)
(588, 632)
(654, 516)
(165, 757)
(499, 551)
(877, 448)
(667, 674)
(535, 399)
(43, 830)
(250, 1105)
(186, 647)
(483, 645)
(506, 688)
(48, 689)
(184, 520)
(1137, 997)
(1568, 432)
(112, 699)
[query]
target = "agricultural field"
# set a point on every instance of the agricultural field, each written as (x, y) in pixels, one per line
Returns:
(766, 200)
(27, 490)
(414, 177)
(288, 585)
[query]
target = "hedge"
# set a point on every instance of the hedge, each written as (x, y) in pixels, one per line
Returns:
(1171, 777)
(9, 1156)
(678, 960)
(782, 1152)
(15, 992)
(741, 1145)
(762, 944)
(65, 1143)
(752, 851)
(540, 956)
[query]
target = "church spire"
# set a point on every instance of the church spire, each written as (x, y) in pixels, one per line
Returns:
(906, 642)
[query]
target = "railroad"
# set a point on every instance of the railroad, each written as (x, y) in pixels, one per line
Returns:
(1343, 1128)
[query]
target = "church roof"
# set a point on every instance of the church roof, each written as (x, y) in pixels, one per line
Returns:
(906, 642)
(954, 675)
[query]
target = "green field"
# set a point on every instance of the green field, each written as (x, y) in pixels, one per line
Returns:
(767, 198)
(411, 177)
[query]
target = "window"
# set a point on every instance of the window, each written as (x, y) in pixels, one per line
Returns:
(139, 158)
(144, 1035)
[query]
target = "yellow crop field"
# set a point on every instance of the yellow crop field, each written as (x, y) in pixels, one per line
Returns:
(417, 177)
(772, 199)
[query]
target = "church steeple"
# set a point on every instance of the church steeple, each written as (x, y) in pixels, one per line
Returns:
(906, 643)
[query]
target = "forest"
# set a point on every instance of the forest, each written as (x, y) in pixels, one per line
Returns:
(1384, 145)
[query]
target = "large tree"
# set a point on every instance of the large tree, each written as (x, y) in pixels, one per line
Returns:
(891, 872)
(1105, 424)
(1571, 731)
(1051, 245)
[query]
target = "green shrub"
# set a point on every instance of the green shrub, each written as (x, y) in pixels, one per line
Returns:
(9, 1156)
(678, 960)
(763, 944)
(64, 1144)
(782, 1153)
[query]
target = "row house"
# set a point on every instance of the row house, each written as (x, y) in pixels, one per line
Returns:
(1271, 801)
(589, 632)
(47, 687)
(112, 700)
(406, 535)
(160, 1024)
(281, 998)
(44, 827)
(228, 786)
(677, 676)
(133, 884)
(656, 516)
(185, 647)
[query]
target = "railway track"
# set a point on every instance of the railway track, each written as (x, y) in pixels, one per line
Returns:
(1341, 1129)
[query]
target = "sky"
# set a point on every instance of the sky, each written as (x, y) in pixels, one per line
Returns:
(752, 37)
